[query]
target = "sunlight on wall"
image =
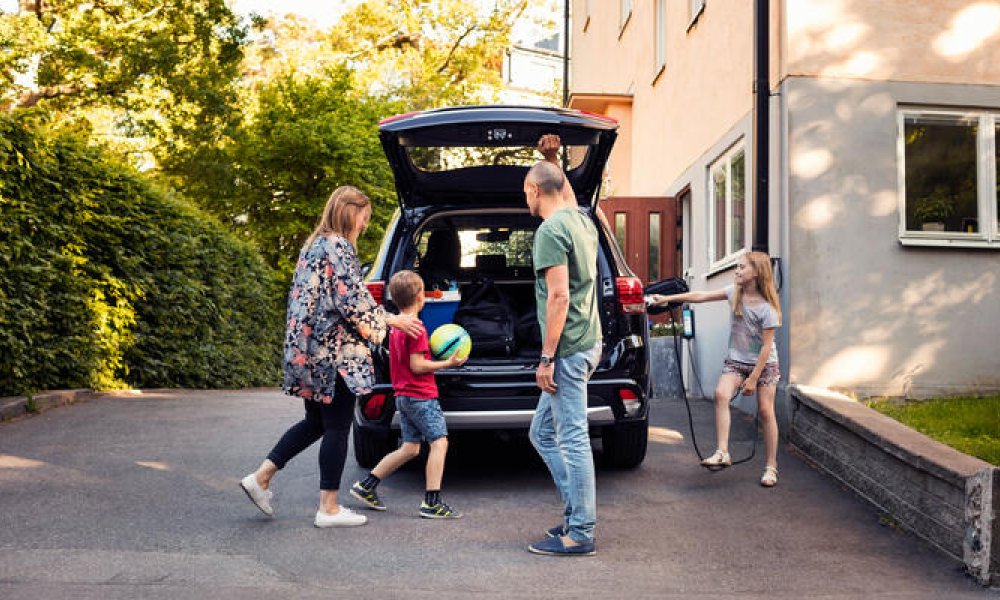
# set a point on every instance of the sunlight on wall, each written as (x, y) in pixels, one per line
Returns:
(859, 64)
(819, 212)
(853, 365)
(969, 30)
(16, 462)
(811, 163)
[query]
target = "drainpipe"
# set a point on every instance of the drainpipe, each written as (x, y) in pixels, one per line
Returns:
(565, 101)
(761, 122)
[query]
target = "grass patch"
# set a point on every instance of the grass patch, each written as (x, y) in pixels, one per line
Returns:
(970, 425)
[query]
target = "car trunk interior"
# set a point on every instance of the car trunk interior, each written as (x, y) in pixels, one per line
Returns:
(467, 251)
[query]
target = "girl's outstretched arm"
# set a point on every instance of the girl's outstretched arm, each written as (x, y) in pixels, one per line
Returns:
(693, 297)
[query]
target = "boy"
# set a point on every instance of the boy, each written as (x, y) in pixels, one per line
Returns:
(420, 416)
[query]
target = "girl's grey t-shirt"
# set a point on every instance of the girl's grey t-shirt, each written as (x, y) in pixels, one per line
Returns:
(746, 332)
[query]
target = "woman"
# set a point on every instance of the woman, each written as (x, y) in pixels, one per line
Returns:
(331, 316)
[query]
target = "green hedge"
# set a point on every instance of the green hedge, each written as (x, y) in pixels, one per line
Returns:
(106, 281)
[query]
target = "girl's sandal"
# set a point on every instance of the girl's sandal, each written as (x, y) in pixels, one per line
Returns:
(719, 460)
(770, 477)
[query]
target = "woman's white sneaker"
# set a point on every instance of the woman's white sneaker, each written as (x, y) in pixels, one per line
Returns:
(345, 517)
(257, 494)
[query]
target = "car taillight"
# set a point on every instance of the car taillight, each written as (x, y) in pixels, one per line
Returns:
(629, 399)
(373, 408)
(630, 295)
(377, 290)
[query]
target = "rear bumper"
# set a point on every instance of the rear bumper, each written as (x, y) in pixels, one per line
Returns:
(505, 405)
(509, 419)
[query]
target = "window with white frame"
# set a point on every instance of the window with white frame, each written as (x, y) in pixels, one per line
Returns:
(727, 204)
(624, 14)
(948, 191)
(661, 35)
(695, 8)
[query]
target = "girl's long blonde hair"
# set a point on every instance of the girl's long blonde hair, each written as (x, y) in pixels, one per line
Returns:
(340, 216)
(761, 264)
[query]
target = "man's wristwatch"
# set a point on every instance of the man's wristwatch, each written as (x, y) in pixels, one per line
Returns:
(545, 360)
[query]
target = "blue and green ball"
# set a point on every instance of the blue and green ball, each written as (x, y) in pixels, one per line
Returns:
(450, 339)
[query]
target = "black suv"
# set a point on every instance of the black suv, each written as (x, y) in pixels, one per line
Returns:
(462, 218)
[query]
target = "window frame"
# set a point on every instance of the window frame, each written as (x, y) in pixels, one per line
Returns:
(625, 10)
(731, 253)
(660, 39)
(988, 236)
(695, 8)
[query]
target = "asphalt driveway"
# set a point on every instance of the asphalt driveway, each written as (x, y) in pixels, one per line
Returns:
(136, 496)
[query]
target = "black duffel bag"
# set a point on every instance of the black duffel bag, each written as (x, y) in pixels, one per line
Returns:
(486, 313)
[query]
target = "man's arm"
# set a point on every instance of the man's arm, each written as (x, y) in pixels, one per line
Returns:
(556, 309)
(549, 145)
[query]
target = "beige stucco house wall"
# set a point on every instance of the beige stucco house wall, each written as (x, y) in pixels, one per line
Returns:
(870, 307)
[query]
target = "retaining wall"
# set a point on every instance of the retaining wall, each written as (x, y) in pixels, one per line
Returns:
(944, 496)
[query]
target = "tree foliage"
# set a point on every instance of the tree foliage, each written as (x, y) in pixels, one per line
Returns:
(105, 281)
(429, 54)
(168, 68)
(302, 138)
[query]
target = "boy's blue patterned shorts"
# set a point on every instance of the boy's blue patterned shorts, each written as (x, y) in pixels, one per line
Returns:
(420, 419)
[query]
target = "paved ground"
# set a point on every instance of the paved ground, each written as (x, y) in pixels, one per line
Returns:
(137, 497)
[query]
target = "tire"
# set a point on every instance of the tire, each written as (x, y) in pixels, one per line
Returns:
(371, 446)
(624, 444)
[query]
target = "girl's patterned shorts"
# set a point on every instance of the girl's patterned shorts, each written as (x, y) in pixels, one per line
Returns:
(769, 376)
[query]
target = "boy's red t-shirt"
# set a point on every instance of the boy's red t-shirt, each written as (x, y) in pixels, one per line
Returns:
(404, 381)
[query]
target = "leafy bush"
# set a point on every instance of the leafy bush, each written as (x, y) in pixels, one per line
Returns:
(106, 281)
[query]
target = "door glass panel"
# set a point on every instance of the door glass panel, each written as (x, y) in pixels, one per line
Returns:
(620, 225)
(654, 246)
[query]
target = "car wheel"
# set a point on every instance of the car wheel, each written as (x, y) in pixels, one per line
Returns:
(371, 446)
(624, 444)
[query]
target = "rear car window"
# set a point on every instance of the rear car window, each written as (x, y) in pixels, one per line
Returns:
(435, 159)
(493, 246)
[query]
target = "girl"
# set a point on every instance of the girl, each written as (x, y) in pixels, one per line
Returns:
(752, 361)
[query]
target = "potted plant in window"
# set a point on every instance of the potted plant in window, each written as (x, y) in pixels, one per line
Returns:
(933, 209)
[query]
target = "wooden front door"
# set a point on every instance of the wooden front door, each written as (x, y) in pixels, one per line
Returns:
(646, 230)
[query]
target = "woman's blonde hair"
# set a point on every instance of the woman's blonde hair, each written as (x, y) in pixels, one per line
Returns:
(340, 216)
(761, 264)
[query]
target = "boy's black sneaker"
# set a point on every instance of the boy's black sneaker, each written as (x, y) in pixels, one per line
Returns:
(438, 511)
(369, 497)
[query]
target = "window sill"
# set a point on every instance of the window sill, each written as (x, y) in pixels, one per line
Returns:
(938, 241)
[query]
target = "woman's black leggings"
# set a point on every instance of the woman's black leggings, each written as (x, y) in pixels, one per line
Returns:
(332, 422)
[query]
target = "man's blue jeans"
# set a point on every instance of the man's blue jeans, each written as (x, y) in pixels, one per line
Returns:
(560, 433)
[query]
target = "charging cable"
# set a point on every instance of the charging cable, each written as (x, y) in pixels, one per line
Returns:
(687, 403)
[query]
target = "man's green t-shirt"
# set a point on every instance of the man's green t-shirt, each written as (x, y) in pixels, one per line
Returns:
(569, 237)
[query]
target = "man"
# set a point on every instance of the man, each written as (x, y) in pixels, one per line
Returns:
(565, 263)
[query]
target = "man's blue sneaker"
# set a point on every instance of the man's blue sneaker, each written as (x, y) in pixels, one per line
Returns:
(553, 546)
(557, 531)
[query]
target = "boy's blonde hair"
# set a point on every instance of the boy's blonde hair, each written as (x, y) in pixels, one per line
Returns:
(761, 263)
(405, 288)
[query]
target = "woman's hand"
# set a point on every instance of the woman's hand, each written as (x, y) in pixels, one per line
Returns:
(750, 385)
(656, 300)
(408, 324)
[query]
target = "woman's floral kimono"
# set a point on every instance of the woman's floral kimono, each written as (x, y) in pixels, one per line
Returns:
(331, 314)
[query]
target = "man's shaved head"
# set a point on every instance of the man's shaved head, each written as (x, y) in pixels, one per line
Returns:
(548, 177)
